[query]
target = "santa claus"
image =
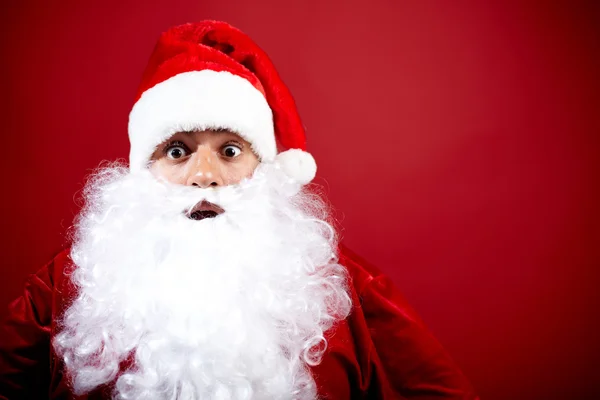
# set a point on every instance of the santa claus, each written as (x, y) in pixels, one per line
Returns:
(207, 268)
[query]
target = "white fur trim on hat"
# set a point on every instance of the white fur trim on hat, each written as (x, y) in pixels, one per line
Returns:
(298, 165)
(200, 100)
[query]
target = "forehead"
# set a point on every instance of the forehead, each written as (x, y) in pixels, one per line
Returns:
(207, 134)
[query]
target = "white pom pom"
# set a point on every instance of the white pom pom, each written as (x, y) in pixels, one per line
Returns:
(298, 165)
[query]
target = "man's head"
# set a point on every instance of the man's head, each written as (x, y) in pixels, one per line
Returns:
(205, 270)
(211, 76)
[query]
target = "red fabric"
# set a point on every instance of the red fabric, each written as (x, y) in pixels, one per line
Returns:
(219, 46)
(381, 351)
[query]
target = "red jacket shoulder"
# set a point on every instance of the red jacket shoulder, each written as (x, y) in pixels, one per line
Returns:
(26, 331)
(408, 360)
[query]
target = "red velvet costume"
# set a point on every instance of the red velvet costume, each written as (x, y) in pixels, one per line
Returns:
(381, 351)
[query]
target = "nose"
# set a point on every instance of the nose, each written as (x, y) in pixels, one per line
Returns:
(204, 169)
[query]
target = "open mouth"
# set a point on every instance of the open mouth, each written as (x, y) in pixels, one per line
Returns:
(204, 210)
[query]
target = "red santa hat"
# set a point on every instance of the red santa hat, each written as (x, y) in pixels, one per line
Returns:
(210, 75)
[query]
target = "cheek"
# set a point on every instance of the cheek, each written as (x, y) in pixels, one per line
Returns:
(249, 168)
(235, 173)
(171, 173)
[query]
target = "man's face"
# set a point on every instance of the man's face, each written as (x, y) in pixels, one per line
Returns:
(204, 159)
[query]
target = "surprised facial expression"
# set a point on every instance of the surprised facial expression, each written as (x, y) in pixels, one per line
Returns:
(204, 159)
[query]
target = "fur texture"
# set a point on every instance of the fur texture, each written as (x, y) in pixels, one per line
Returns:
(298, 165)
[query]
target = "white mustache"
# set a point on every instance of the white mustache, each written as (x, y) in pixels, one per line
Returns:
(179, 198)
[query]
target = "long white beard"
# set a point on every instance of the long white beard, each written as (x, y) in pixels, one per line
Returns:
(233, 307)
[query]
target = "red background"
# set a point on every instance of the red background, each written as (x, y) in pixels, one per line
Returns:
(458, 141)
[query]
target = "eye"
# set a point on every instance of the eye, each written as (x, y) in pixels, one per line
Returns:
(176, 150)
(231, 151)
